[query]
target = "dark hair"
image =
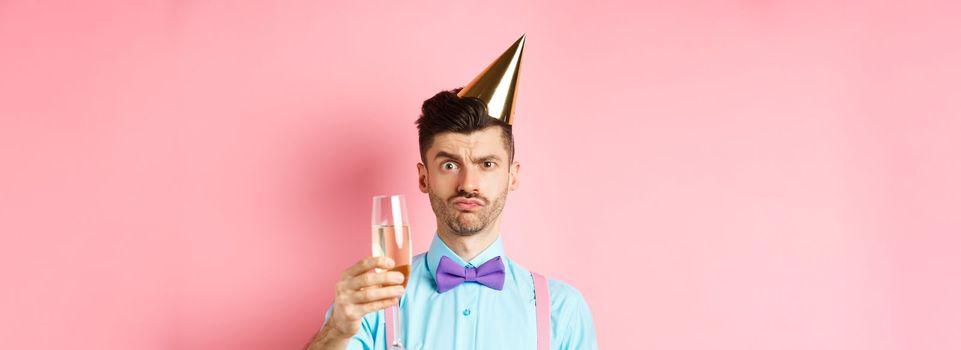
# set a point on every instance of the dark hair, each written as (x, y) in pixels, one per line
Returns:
(446, 112)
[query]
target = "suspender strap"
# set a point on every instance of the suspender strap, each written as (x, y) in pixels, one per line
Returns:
(542, 302)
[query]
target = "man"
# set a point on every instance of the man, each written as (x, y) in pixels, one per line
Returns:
(464, 292)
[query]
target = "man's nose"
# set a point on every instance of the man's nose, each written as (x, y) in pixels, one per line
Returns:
(469, 180)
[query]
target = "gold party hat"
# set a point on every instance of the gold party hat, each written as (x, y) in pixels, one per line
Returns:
(497, 84)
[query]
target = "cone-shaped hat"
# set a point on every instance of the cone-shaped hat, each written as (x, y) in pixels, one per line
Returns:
(497, 84)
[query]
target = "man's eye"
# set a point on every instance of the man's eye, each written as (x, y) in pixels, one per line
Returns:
(488, 164)
(449, 165)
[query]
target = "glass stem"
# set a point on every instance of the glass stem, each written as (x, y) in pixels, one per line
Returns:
(397, 344)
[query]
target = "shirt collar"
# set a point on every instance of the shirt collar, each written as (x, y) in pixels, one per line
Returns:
(438, 249)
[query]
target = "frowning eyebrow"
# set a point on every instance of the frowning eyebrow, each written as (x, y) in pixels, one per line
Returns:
(443, 154)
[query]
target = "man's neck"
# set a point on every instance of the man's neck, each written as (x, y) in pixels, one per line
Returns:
(469, 247)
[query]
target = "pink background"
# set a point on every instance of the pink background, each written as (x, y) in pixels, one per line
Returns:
(710, 175)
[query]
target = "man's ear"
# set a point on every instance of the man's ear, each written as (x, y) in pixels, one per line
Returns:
(422, 177)
(514, 172)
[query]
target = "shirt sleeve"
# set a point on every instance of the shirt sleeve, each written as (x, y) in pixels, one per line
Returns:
(366, 338)
(571, 320)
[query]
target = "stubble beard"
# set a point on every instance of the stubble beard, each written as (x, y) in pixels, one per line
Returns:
(467, 223)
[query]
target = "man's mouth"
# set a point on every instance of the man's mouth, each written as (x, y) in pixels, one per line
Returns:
(465, 204)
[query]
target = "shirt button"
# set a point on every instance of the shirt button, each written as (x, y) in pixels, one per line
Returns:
(466, 312)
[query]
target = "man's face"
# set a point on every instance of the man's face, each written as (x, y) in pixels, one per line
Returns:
(467, 178)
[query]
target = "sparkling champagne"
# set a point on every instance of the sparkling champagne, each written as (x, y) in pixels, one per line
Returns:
(393, 242)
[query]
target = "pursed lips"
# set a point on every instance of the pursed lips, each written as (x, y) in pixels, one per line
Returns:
(468, 204)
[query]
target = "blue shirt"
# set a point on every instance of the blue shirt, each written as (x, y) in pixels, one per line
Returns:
(473, 316)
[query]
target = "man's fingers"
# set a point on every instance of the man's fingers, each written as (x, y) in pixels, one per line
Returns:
(375, 279)
(368, 263)
(376, 294)
(377, 305)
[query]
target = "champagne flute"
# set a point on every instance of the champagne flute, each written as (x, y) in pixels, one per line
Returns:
(391, 238)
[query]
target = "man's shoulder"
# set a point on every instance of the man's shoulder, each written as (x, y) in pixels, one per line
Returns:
(564, 295)
(560, 290)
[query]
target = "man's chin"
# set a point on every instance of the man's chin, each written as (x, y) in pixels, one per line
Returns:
(466, 233)
(467, 229)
